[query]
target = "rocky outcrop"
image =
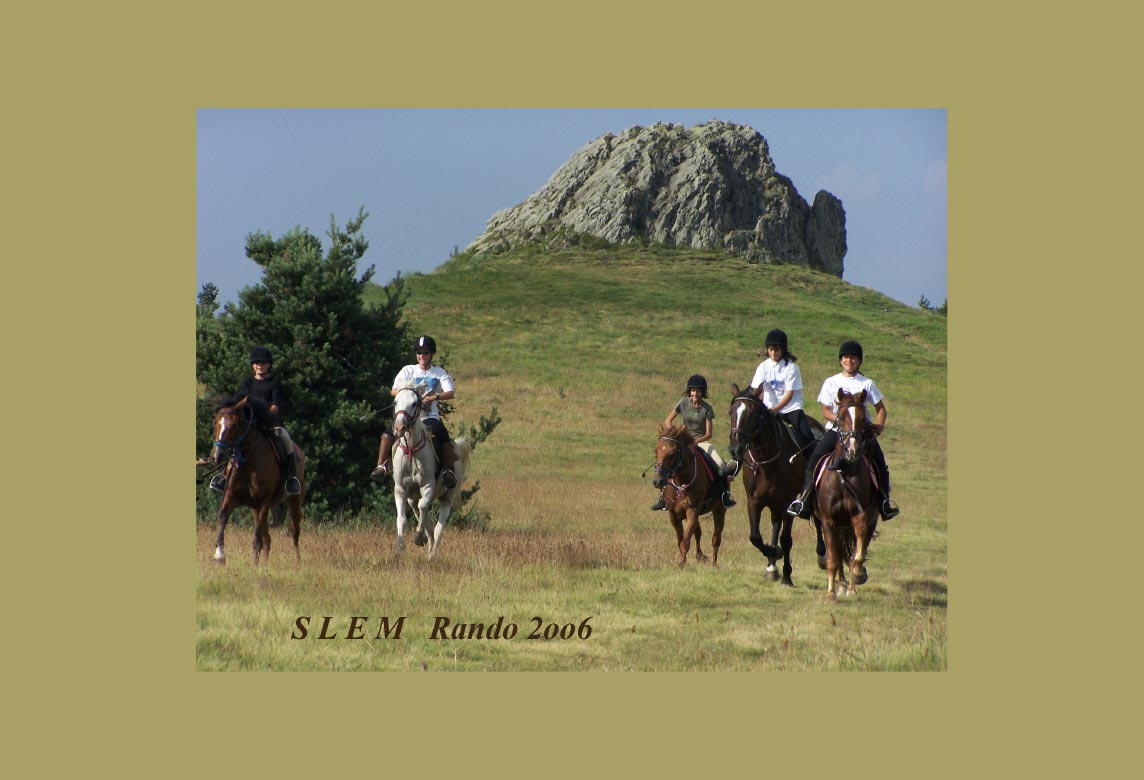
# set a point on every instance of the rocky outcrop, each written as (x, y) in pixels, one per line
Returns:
(711, 186)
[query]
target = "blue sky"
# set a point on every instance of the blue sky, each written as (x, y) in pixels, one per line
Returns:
(431, 178)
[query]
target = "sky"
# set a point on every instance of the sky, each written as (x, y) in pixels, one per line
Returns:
(431, 178)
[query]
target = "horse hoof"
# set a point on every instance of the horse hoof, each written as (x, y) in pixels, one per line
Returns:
(772, 573)
(861, 577)
(421, 539)
(822, 562)
(787, 582)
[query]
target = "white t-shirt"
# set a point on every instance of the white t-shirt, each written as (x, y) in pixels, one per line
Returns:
(828, 396)
(434, 380)
(775, 379)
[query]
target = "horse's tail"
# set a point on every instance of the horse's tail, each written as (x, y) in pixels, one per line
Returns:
(463, 450)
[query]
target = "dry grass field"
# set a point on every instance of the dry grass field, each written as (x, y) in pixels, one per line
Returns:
(582, 355)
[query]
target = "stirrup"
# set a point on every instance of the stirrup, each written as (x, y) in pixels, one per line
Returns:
(658, 505)
(218, 482)
(449, 478)
(293, 486)
(380, 472)
(801, 507)
(888, 509)
(728, 499)
(731, 469)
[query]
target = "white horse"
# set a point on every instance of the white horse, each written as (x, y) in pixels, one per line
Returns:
(414, 470)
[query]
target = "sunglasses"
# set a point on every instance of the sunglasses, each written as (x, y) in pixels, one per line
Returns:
(423, 352)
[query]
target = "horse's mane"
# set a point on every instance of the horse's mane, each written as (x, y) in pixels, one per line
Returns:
(679, 432)
(261, 411)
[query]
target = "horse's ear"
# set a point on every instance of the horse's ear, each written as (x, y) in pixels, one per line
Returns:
(735, 390)
(242, 403)
(842, 395)
(861, 397)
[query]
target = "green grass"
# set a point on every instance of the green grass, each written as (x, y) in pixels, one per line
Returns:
(583, 352)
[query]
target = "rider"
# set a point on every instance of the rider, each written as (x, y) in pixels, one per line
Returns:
(267, 389)
(433, 384)
(779, 381)
(850, 358)
(697, 415)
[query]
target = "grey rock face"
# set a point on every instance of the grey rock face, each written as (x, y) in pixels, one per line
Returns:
(710, 186)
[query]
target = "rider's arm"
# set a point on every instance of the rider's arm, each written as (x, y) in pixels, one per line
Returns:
(828, 413)
(880, 422)
(783, 401)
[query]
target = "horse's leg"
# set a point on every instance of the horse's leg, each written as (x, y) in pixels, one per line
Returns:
(439, 529)
(277, 515)
(833, 554)
(719, 515)
(862, 532)
(780, 518)
(677, 524)
(819, 543)
(223, 516)
(688, 532)
(698, 537)
(399, 500)
(261, 533)
(754, 515)
(295, 503)
(422, 536)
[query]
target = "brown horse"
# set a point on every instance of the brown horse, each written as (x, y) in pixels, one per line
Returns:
(846, 500)
(254, 477)
(689, 488)
(772, 466)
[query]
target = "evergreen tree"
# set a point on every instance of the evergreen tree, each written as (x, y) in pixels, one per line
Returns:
(335, 357)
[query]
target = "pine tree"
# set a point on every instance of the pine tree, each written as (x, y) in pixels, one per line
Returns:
(335, 357)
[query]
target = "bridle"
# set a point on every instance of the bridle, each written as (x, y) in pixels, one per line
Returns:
(751, 436)
(669, 475)
(232, 450)
(403, 439)
(845, 436)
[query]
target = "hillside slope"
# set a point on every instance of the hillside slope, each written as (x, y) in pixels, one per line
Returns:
(584, 351)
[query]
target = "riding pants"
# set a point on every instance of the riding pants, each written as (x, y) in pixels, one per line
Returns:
(798, 422)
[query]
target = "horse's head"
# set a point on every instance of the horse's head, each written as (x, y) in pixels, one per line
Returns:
(749, 419)
(406, 409)
(232, 423)
(669, 452)
(851, 421)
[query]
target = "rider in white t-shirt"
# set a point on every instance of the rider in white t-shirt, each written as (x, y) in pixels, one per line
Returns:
(433, 384)
(851, 380)
(778, 383)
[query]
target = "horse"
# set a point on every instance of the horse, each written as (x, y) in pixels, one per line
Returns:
(254, 477)
(690, 489)
(773, 468)
(415, 480)
(846, 499)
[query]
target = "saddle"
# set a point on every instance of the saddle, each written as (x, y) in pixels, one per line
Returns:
(827, 461)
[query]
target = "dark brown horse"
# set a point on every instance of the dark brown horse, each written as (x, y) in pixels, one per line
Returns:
(689, 489)
(846, 500)
(772, 467)
(254, 476)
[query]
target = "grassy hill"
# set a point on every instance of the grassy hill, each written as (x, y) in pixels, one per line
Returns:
(583, 352)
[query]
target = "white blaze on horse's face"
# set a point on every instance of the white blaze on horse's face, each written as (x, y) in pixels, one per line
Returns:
(216, 453)
(405, 410)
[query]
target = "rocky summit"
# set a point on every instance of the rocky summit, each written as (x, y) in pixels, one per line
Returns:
(711, 186)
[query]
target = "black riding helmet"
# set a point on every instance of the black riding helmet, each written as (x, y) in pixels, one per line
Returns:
(699, 382)
(261, 355)
(425, 342)
(776, 338)
(850, 348)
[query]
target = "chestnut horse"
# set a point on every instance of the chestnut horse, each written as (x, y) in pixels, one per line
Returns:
(773, 467)
(254, 477)
(689, 490)
(846, 500)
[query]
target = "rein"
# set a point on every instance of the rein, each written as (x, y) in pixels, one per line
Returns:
(234, 450)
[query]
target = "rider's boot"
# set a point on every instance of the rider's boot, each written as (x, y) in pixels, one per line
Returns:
(293, 486)
(449, 458)
(802, 506)
(382, 470)
(730, 468)
(728, 500)
(658, 505)
(886, 508)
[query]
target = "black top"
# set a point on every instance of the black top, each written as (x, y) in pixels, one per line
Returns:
(269, 391)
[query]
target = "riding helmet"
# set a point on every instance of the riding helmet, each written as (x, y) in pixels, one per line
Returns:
(850, 348)
(697, 381)
(425, 342)
(261, 355)
(776, 338)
